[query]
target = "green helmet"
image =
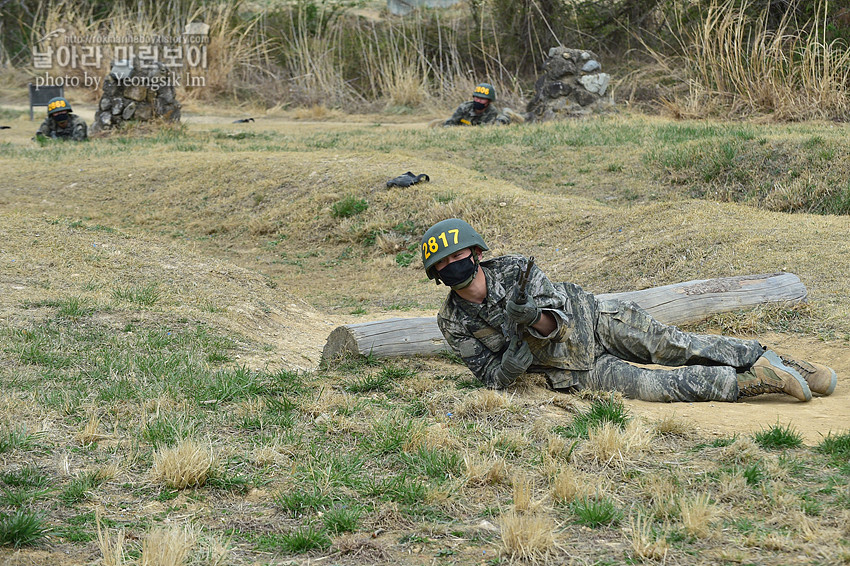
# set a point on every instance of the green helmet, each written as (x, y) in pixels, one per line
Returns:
(445, 238)
(485, 90)
(58, 104)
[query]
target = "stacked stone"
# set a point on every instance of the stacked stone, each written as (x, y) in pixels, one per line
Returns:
(572, 84)
(132, 92)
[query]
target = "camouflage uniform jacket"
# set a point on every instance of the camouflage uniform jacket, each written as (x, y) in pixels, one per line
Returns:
(465, 115)
(76, 129)
(480, 334)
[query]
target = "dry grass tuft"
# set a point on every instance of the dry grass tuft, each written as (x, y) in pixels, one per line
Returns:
(186, 465)
(540, 428)
(485, 472)
(769, 541)
(108, 472)
(216, 550)
(362, 547)
(697, 512)
(566, 402)
(844, 519)
(422, 384)
(111, 549)
(732, 487)
(90, 434)
(167, 546)
(528, 381)
(662, 493)
(611, 446)
(510, 443)
(328, 402)
(743, 451)
(671, 425)
(484, 403)
(528, 537)
(265, 456)
(570, 484)
(591, 395)
(523, 487)
(560, 448)
(645, 544)
(314, 112)
(390, 243)
(439, 436)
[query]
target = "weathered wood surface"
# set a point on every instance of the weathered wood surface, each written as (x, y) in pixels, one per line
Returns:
(679, 303)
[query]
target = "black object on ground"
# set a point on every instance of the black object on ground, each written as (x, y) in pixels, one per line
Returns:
(407, 179)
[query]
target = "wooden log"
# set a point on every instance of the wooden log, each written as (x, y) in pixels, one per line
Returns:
(680, 303)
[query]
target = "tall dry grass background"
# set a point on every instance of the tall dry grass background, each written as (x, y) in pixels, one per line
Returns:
(735, 64)
(237, 52)
(708, 58)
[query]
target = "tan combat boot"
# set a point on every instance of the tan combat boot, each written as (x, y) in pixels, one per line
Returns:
(821, 379)
(770, 375)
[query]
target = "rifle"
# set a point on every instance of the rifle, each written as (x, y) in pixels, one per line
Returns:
(521, 296)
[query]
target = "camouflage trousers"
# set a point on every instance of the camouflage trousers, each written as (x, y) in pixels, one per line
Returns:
(701, 367)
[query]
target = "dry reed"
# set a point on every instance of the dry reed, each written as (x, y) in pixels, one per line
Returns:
(697, 512)
(111, 548)
(167, 546)
(738, 65)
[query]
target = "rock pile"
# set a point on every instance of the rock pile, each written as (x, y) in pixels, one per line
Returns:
(572, 84)
(136, 92)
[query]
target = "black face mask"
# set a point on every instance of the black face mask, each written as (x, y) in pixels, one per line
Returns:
(59, 118)
(478, 105)
(460, 273)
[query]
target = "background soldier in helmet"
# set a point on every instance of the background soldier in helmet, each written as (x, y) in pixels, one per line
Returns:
(61, 123)
(580, 341)
(479, 110)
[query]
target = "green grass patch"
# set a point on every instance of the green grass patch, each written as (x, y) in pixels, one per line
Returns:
(22, 528)
(600, 412)
(595, 511)
(433, 463)
(17, 438)
(145, 295)
(300, 501)
(297, 541)
(348, 207)
(742, 168)
(754, 473)
(837, 447)
(28, 476)
(778, 438)
(18, 497)
(342, 519)
(401, 488)
(79, 488)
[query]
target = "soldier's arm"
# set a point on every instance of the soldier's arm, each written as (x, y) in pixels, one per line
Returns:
(456, 117)
(481, 361)
(554, 323)
(80, 132)
(43, 129)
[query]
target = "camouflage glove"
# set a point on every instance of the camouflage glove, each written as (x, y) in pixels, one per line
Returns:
(516, 359)
(526, 313)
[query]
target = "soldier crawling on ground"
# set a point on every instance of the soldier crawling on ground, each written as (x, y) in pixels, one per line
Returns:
(582, 342)
(480, 110)
(61, 123)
